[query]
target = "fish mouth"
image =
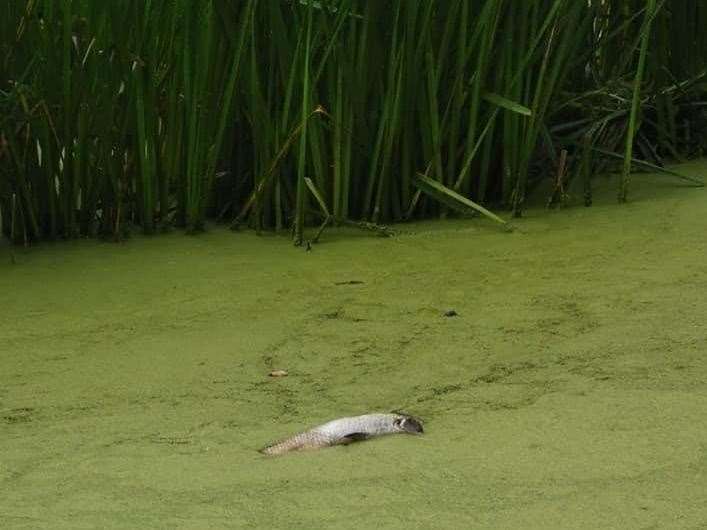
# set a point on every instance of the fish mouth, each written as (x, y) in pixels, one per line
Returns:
(412, 425)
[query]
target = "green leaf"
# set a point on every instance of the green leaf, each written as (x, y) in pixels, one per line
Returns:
(507, 104)
(451, 198)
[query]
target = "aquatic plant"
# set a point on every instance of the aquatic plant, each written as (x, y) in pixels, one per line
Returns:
(280, 113)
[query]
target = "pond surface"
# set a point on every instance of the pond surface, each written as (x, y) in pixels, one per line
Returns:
(568, 391)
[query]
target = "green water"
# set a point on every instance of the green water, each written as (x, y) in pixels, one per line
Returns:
(569, 392)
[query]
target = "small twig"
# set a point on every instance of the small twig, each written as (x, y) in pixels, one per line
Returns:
(254, 198)
(364, 225)
(116, 234)
(558, 194)
(327, 220)
(12, 229)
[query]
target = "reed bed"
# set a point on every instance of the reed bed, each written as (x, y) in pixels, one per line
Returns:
(280, 114)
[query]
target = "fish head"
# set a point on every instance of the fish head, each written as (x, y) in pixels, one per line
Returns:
(409, 425)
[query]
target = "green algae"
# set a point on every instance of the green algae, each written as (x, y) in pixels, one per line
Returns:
(568, 392)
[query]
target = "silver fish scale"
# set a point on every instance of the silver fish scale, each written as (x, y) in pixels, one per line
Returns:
(370, 424)
(335, 431)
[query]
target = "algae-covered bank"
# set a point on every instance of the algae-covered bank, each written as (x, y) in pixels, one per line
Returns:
(569, 391)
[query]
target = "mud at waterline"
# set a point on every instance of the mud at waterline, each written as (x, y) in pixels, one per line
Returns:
(569, 390)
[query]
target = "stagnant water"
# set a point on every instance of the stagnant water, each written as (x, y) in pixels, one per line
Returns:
(569, 391)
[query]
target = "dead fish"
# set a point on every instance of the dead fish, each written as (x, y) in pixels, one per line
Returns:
(347, 430)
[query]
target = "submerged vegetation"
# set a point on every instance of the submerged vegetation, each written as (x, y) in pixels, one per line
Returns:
(281, 113)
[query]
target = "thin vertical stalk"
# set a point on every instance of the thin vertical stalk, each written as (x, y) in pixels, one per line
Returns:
(302, 155)
(635, 102)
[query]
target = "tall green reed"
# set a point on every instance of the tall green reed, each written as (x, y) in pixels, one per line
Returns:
(278, 112)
